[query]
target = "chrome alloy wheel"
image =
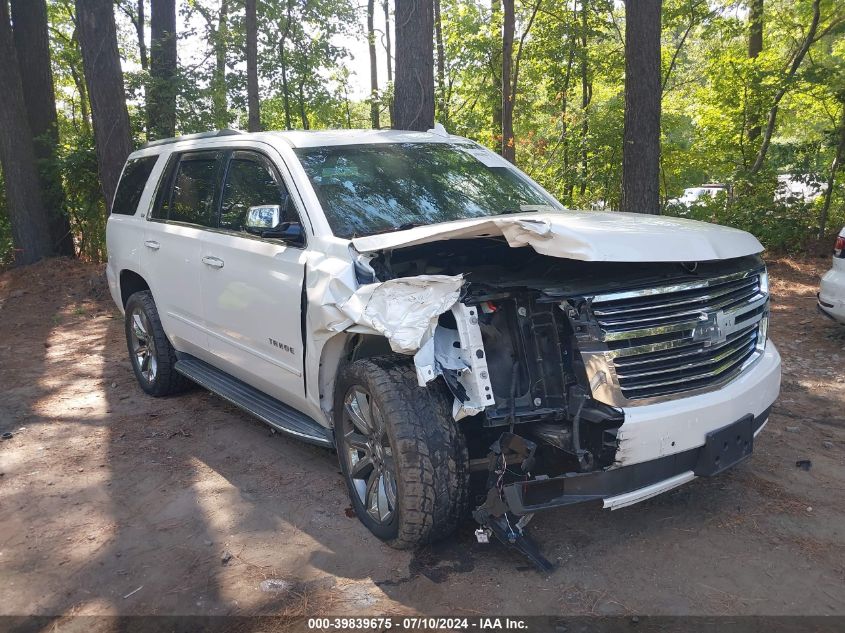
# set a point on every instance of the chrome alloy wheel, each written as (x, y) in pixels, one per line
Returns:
(370, 462)
(143, 345)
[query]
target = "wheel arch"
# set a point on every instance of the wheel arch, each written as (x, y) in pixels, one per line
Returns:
(340, 350)
(131, 282)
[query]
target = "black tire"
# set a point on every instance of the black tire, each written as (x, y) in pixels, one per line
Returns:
(164, 380)
(429, 451)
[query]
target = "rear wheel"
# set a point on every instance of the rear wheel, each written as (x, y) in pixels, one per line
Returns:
(404, 460)
(152, 356)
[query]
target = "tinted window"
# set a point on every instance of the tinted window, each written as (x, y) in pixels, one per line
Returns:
(131, 185)
(250, 182)
(193, 190)
(366, 189)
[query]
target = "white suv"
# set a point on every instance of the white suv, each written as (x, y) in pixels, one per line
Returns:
(424, 307)
(832, 290)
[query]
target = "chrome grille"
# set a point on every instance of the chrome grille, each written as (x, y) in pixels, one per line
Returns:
(672, 340)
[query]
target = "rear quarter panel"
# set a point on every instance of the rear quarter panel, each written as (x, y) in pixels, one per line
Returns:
(125, 233)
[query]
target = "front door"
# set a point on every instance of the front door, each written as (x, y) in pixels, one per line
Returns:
(252, 285)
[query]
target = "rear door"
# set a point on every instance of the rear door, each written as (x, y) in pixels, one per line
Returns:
(252, 293)
(171, 260)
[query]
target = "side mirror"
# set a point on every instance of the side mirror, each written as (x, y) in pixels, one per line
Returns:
(263, 218)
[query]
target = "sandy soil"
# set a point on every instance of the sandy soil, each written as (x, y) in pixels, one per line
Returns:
(112, 502)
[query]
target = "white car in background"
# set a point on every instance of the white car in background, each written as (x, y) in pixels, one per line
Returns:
(793, 189)
(694, 195)
(832, 291)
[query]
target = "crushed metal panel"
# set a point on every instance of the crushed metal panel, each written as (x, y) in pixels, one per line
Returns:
(585, 236)
(405, 310)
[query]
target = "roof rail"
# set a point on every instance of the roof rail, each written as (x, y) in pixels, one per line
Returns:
(191, 137)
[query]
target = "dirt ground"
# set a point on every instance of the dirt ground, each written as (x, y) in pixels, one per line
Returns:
(112, 502)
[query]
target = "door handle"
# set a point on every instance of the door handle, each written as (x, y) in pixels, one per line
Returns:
(152, 244)
(214, 262)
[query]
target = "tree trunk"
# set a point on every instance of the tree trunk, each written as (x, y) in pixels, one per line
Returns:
(253, 103)
(79, 81)
(32, 46)
(508, 27)
(834, 169)
(346, 109)
(496, 64)
(284, 65)
(140, 22)
(442, 101)
(142, 40)
(586, 97)
(513, 77)
(786, 82)
(138, 19)
(220, 111)
(755, 47)
(161, 91)
(387, 47)
(371, 43)
(285, 92)
(755, 28)
(27, 215)
(641, 138)
(564, 123)
(414, 88)
(104, 78)
(303, 113)
(564, 135)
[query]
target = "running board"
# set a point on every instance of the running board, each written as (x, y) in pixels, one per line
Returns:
(277, 414)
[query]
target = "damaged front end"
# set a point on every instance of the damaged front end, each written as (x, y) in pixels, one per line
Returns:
(545, 353)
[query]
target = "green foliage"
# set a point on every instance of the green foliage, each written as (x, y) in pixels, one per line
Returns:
(569, 104)
(77, 163)
(779, 226)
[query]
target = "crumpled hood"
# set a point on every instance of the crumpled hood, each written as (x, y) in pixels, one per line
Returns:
(586, 236)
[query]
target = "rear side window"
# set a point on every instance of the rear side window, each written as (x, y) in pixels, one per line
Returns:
(131, 185)
(194, 185)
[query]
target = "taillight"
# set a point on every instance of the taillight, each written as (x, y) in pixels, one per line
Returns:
(839, 247)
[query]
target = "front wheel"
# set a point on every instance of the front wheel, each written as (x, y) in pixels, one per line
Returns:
(404, 459)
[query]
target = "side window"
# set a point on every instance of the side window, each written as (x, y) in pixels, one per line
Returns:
(131, 184)
(192, 199)
(251, 182)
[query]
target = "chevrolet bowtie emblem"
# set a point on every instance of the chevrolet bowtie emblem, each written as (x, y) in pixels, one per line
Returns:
(714, 328)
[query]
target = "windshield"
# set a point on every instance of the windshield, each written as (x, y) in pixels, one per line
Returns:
(366, 189)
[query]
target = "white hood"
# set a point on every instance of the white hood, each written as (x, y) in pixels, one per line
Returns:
(586, 236)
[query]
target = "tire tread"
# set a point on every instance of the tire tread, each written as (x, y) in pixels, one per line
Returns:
(432, 462)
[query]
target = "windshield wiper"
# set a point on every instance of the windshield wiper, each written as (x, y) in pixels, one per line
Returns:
(391, 229)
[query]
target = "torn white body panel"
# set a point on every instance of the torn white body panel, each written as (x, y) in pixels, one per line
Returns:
(586, 236)
(403, 310)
